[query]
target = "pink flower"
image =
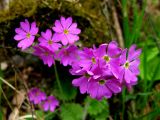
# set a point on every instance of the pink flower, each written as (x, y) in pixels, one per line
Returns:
(50, 104)
(36, 95)
(103, 87)
(110, 55)
(66, 31)
(129, 65)
(45, 54)
(68, 55)
(26, 34)
(48, 41)
(98, 82)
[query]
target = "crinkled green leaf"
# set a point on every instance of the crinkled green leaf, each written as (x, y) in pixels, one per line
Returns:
(71, 111)
(95, 106)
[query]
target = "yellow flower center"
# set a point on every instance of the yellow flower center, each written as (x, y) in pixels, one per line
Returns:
(66, 31)
(126, 65)
(46, 53)
(50, 42)
(93, 60)
(102, 82)
(28, 35)
(87, 75)
(106, 58)
(66, 53)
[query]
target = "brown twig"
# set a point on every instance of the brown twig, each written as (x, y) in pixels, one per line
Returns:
(117, 26)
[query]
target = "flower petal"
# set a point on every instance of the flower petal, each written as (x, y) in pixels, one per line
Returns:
(72, 38)
(63, 22)
(113, 49)
(47, 35)
(123, 57)
(34, 29)
(68, 22)
(19, 37)
(82, 83)
(25, 25)
(20, 31)
(113, 86)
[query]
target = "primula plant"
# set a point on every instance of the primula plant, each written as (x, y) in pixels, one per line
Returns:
(101, 71)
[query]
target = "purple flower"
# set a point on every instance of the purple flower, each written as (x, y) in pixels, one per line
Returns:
(48, 41)
(45, 54)
(103, 87)
(66, 31)
(81, 82)
(99, 82)
(50, 104)
(109, 54)
(129, 65)
(36, 95)
(104, 53)
(87, 58)
(26, 34)
(68, 55)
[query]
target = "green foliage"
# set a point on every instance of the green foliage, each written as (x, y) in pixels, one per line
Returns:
(68, 91)
(39, 114)
(71, 111)
(141, 103)
(131, 30)
(50, 115)
(103, 115)
(95, 107)
(1, 113)
(152, 64)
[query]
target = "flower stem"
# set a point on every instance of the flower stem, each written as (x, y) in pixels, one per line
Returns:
(57, 79)
(123, 103)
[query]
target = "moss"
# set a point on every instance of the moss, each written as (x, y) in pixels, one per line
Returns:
(17, 8)
(88, 14)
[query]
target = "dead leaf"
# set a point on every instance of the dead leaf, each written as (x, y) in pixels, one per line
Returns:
(14, 114)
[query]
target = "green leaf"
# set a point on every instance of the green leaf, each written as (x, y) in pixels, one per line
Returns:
(1, 75)
(39, 114)
(152, 64)
(69, 92)
(95, 106)
(1, 114)
(103, 115)
(71, 111)
(50, 115)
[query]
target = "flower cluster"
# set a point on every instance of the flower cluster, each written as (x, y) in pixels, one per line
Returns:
(36, 96)
(103, 71)
(63, 33)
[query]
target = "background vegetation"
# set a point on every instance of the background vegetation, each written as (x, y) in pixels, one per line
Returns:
(127, 21)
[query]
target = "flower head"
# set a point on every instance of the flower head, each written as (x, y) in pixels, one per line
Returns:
(66, 31)
(68, 55)
(50, 104)
(109, 54)
(48, 41)
(129, 65)
(36, 95)
(99, 82)
(87, 58)
(45, 54)
(26, 34)
(103, 87)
